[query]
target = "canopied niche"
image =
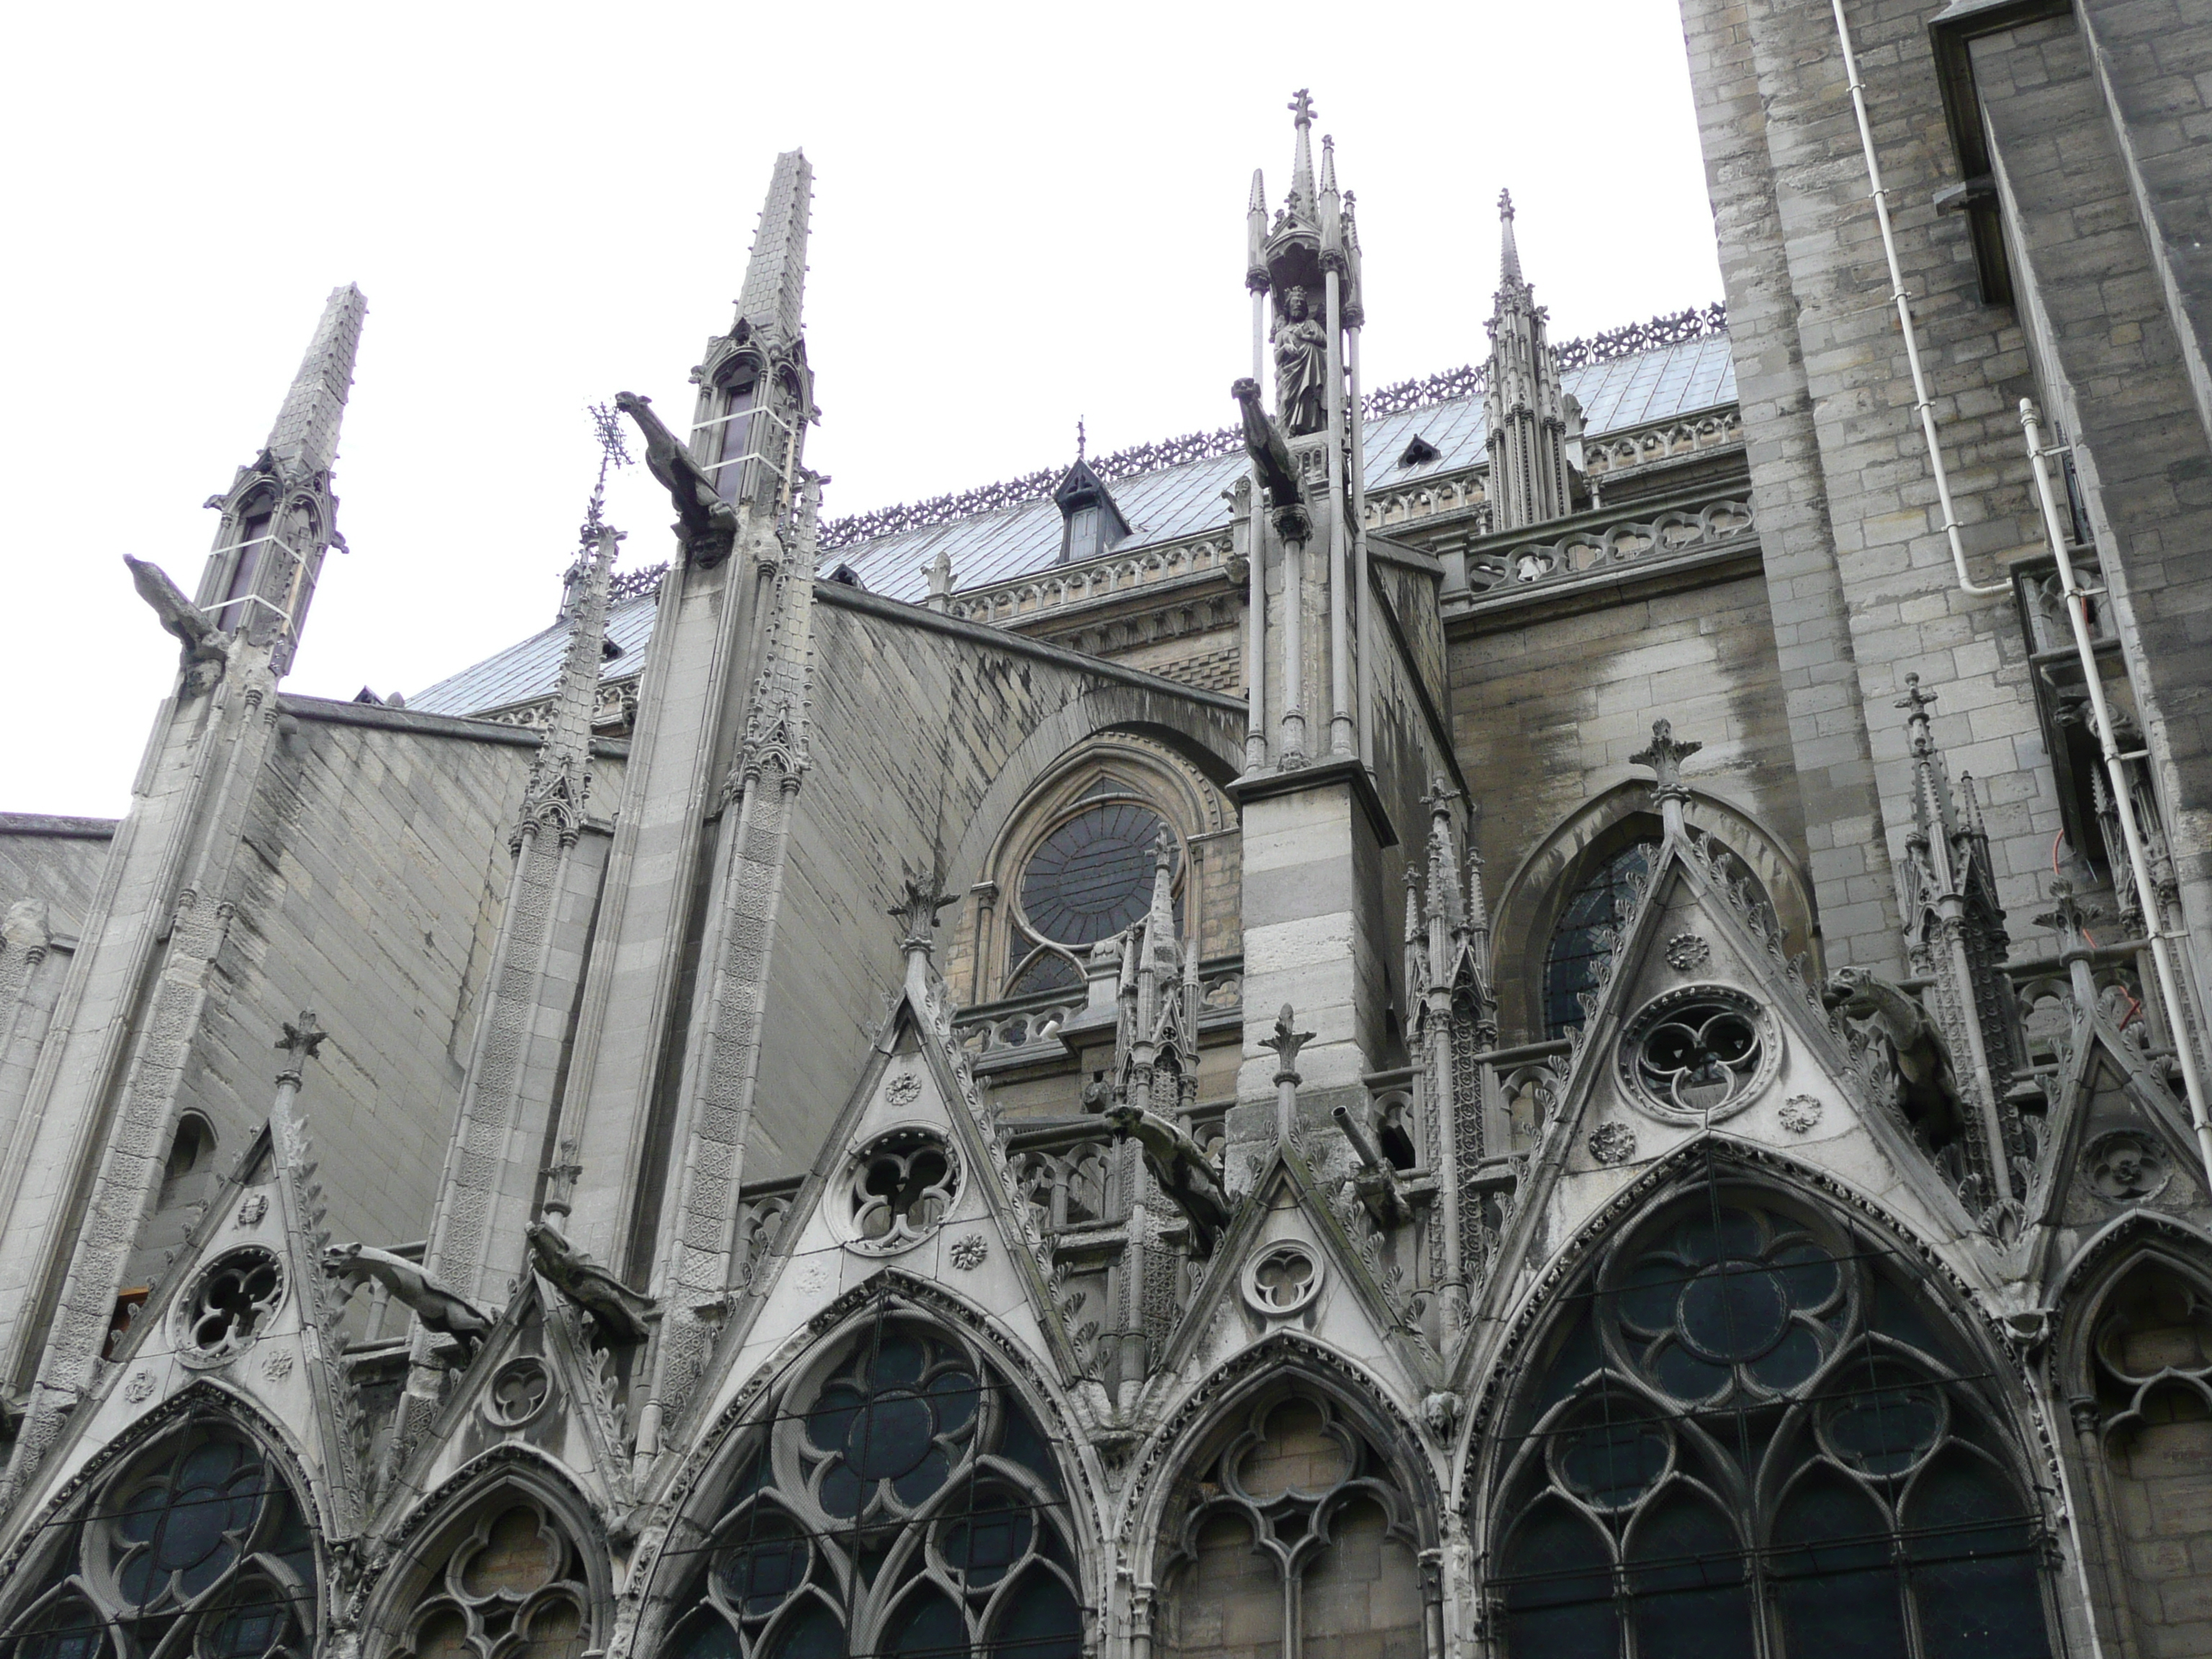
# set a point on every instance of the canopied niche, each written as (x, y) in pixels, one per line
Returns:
(897, 1496)
(1748, 1430)
(194, 1543)
(1289, 1535)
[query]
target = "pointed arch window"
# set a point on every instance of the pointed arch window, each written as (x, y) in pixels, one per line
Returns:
(1293, 1539)
(1745, 1436)
(195, 1546)
(1583, 934)
(510, 1584)
(900, 1500)
(257, 518)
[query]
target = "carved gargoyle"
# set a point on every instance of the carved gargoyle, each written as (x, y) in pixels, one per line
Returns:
(708, 524)
(1927, 1088)
(621, 1314)
(1270, 451)
(440, 1309)
(1180, 1165)
(205, 652)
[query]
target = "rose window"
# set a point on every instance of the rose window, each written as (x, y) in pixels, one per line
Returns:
(1700, 1055)
(901, 1186)
(1749, 1432)
(900, 1500)
(520, 1391)
(232, 1304)
(195, 1547)
(1089, 878)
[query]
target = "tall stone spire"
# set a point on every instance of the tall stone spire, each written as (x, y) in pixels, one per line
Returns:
(775, 278)
(1305, 204)
(279, 516)
(1528, 478)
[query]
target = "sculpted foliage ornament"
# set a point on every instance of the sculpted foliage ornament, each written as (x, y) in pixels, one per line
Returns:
(1800, 1113)
(2127, 1166)
(1687, 953)
(1613, 1143)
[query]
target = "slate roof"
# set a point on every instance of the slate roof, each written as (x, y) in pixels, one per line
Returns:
(1162, 506)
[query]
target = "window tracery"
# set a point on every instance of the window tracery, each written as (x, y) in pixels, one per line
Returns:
(1294, 1534)
(195, 1547)
(1582, 936)
(511, 1586)
(901, 1500)
(1746, 1436)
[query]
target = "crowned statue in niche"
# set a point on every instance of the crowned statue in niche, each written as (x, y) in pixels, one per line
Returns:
(1301, 363)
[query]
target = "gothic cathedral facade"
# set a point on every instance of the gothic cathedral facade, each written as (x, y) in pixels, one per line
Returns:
(1558, 1010)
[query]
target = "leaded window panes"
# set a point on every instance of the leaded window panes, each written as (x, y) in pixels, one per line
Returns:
(195, 1547)
(511, 1587)
(1581, 937)
(900, 1500)
(1295, 1526)
(1092, 875)
(1744, 1437)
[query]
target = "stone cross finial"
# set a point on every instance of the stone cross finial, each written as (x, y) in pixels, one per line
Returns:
(302, 1038)
(1917, 703)
(1301, 106)
(1665, 756)
(1440, 797)
(1505, 205)
(1081, 438)
(2069, 919)
(1286, 1041)
(917, 911)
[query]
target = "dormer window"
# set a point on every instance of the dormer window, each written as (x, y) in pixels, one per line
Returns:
(1091, 524)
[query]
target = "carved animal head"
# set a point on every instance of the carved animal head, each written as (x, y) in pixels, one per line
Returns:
(630, 402)
(340, 1258)
(1122, 1120)
(1851, 991)
(549, 1246)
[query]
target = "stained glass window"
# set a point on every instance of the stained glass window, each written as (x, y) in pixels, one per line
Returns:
(1092, 876)
(901, 1501)
(512, 1584)
(1741, 1420)
(195, 1545)
(1579, 940)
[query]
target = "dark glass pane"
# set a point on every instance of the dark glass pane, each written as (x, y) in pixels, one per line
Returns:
(1686, 1567)
(67, 1630)
(1810, 1273)
(1597, 906)
(812, 1633)
(925, 1478)
(1651, 1292)
(1575, 1358)
(1794, 1359)
(1734, 1311)
(707, 1636)
(891, 1437)
(259, 1621)
(987, 1542)
(1973, 1574)
(1706, 1236)
(1614, 1463)
(1894, 1314)
(1041, 1622)
(1048, 971)
(954, 1396)
(1558, 1589)
(1092, 876)
(1981, 1609)
(1020, 1442)
(927, 1625)
(902, 1357)
(765, 1564)
(1685, 1376)
(1884, 1429)
(833, 1416)
(1836, 1590)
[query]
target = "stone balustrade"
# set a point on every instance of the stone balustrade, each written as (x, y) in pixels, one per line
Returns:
(1100, 579)
(1524, 564)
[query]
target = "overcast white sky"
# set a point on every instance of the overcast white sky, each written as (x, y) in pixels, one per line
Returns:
(1023, 213)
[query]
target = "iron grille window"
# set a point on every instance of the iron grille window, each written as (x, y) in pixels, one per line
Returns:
(1582, 936)
(1746, 1436)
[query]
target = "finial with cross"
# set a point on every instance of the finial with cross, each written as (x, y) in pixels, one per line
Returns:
(1917, 703)
(302, 1038)
(1665, 757)
(1301, 106)
(606, 428)
(917, 910)
(1505, 205)
(1081, 438)
(1440, 797)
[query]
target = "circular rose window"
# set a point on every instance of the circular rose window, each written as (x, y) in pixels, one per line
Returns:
(229, 1304)
(1699, 1054)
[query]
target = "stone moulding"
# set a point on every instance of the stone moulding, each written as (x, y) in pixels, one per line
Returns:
(1499, 571)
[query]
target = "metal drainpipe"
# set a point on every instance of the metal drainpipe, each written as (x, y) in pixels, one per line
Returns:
(1880, 196)
(2077, 612)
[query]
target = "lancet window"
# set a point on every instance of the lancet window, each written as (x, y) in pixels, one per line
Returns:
(1291, 1540)
(901, 1499)
(509, 1585)
(196, 1545)
(1582, 937)
(1748, 1434)
(257, 518)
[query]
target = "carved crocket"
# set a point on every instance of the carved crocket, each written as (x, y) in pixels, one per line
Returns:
(707, 523)
(1180, 1165)
(1927, 1088)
